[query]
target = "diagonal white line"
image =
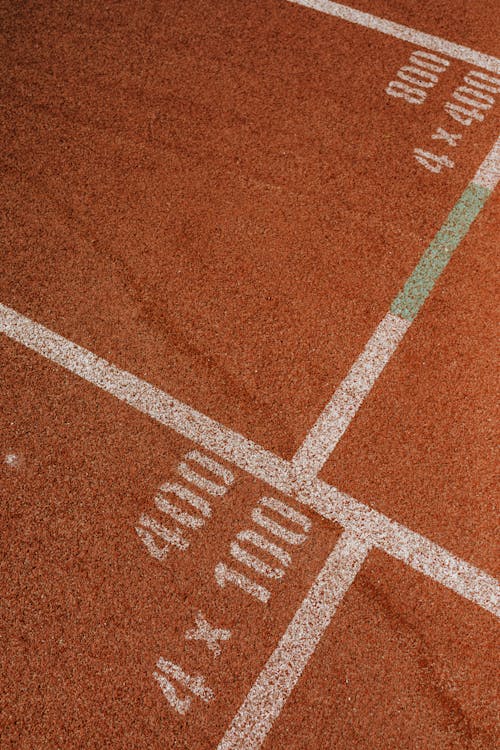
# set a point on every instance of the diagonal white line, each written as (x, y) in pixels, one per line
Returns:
(338, 414)
(348, 397)
(369, 528)
(405, 33)
(284, 667)
(149, 400)
(402, 543)
(488, 174)
(270, 691)
(415, 550)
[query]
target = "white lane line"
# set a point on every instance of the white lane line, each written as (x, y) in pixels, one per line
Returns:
(274, 684)
(403, 544)
(405, 33)
(398, 541)
(149, 400)
(264, 703)
(488, 174)
(348, 397)
(369, 528)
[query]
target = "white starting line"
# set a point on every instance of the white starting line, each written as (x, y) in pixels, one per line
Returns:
(405, 33)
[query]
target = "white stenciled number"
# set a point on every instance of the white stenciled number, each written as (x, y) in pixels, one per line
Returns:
(432, 162)
(158, 539)
(195, 685)
(224, 575)
(211, 636)
(474, 99)
(193, 510)
(422, 74)
(259, 544)
(410, 94)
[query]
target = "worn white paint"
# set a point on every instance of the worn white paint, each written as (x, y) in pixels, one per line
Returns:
(185, 519)
(12, 460)
(252, 561)
(364, 527)
(211, 465)
(148, 527)
(348, 397)
(368, 529)
(396, 540)
(488, 174)
(224, 574)
(277, 529)
(195, 684)
(405, 33)
(208, 633)
(193, 477)
(286, 511)
(416, 551)
(149, 400)
(443, 135)
(274, 684)
(264, 544)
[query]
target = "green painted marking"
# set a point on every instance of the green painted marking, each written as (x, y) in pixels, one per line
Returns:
(435, 259)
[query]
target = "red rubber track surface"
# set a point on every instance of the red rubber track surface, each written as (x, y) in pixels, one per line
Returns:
(221, 199)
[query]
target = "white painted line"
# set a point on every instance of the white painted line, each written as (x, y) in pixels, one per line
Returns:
(488, 174)
(405, 33)
(398, 541)
(332, 423)
(348, 397)
(364, 527)
(274, 684)
(149, 400)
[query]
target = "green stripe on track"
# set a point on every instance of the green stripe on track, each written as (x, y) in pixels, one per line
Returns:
(436, 257)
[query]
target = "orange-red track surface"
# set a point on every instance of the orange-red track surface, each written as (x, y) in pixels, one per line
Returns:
(223, 200)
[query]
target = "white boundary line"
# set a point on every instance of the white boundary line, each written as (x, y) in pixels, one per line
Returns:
(405, 33)
(348, 397)
(415, 550)
(283, 669)
(364, 527)
(488, 174)
(337, 415)
(149, 400)
(403, 544)
(273, 686)
(263, 704)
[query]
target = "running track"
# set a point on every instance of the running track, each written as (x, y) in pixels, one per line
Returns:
(247, 428)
